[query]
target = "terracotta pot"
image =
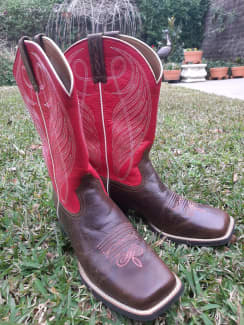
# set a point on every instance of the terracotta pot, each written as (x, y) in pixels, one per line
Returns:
(193, 57)
(237, 71)
(219, 73)
(172, 75)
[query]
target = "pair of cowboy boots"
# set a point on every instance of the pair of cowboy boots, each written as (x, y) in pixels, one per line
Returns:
(95, 109)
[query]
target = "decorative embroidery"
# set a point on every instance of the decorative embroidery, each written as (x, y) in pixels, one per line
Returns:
(61, 137)
(176, 201)
(121, 247)
(127, 108)
(90, 131)
(132, 115)
(88, 118)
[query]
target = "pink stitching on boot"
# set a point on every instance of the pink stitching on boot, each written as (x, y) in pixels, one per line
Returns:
(120, 246)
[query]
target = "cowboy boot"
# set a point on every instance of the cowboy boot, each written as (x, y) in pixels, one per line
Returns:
(121, 132)
(113, 260)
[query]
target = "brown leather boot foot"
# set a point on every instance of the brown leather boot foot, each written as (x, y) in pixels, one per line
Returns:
(114, 262)
(171, 215)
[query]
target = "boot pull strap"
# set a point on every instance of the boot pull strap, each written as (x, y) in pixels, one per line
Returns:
(27, 63)
(95, 47)
(38, 39)
(96, 53)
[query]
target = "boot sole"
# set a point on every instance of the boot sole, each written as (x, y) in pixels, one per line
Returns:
(199, 241)
(133, 313)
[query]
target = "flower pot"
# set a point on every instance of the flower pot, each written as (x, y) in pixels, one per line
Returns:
(237, 71)
(172, 75)
(193, 72)
(219, 73)
(193, 57)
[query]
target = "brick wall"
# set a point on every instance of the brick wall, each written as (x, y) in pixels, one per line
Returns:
(224, 40)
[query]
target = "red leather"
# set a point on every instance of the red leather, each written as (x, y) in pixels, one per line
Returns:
(130, 98)
(58, 124)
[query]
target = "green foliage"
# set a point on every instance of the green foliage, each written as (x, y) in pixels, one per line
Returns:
(189, 16)
(238, 62)
(6, 76)
(191, 49)
(218, 63)
(175, 33)
(18, 18)
(23, 17)
(222, 63)
(172, 66)
(6, 66)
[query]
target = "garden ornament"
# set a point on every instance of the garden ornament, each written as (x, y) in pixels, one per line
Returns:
(118, 79)
(165, 51)
(113, 260)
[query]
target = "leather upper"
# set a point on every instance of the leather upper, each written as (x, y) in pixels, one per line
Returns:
(96, 54)
(119, 114)
(114, 256)
(54, 111)
(166, 210)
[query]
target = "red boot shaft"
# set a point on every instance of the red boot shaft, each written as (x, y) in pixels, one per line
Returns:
(53, 108)
(126, 103)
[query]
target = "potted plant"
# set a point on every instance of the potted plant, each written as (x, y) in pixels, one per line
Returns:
(237, 68)
(192, 56)
(218, 70)
(172, 72)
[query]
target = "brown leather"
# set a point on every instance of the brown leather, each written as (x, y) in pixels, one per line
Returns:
(113, 33)
(95, 47)
(27, 62)
(153, 60)
(166, 210)
(111, 252)
(55, 58)
(39, 40)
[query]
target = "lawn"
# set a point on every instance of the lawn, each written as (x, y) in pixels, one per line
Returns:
(198, 152)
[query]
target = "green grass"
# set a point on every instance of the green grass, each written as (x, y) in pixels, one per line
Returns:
(198, 152)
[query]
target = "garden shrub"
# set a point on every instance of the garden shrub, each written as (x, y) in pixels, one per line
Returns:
(177, 52)
(189, 17)
(29, 17)
(18, 18)
(6, 66)
(23, 17)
